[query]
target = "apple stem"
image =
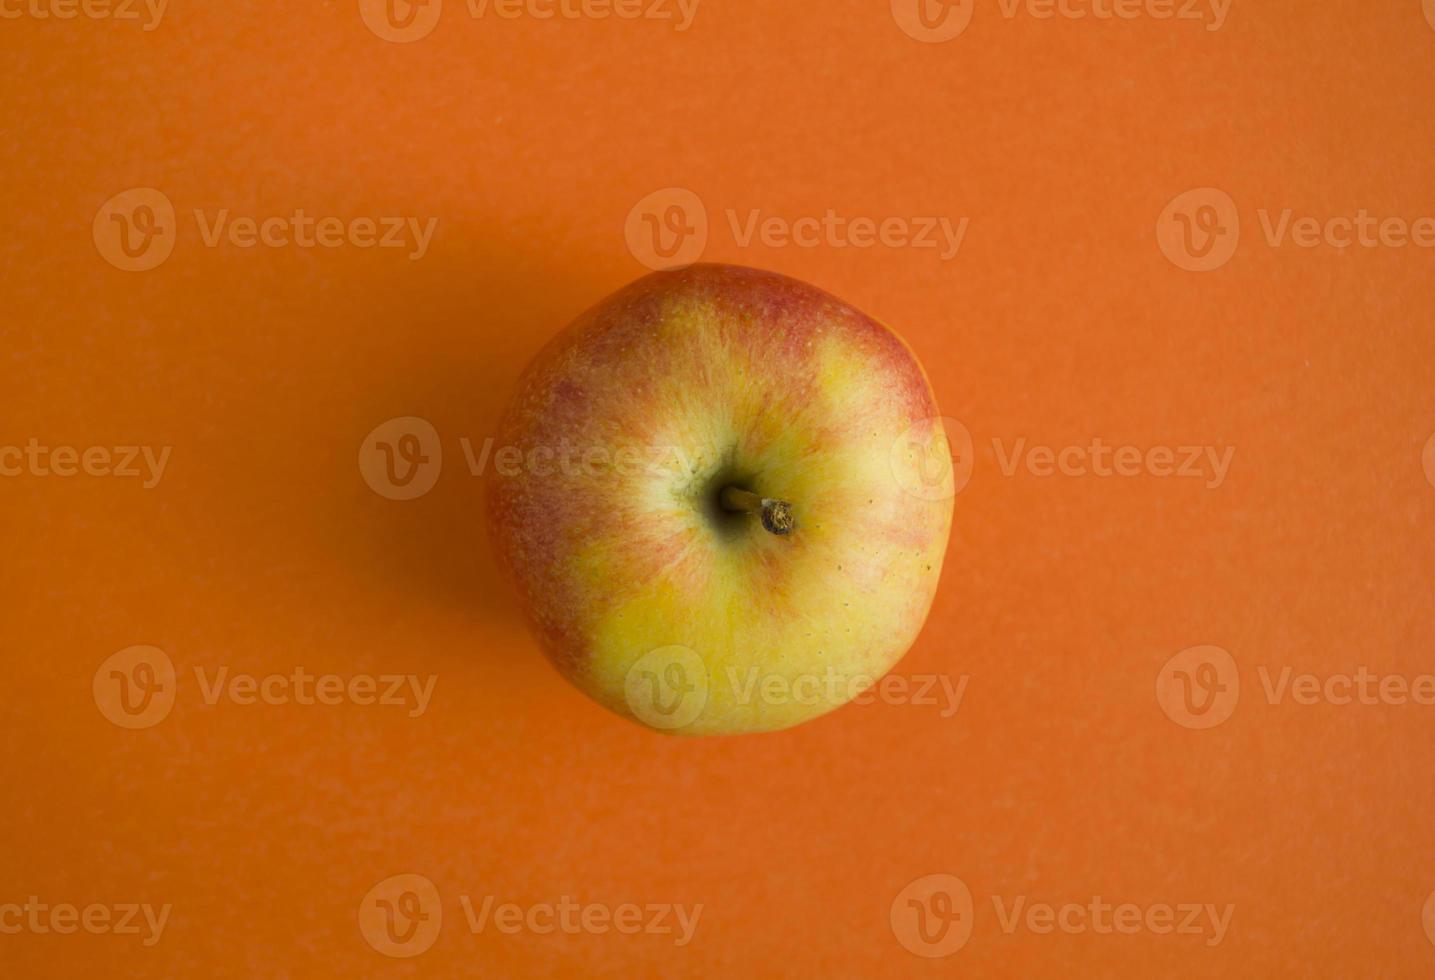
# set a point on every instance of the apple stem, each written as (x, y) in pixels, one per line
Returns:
(776, 514)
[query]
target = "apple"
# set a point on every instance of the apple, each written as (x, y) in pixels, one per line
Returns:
(729, 501)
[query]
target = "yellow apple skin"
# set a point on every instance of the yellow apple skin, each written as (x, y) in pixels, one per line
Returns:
(643, 591)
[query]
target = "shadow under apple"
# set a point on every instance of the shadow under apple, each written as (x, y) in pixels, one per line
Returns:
(457, 354)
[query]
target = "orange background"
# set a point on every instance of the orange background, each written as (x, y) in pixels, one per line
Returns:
(1059, 778)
